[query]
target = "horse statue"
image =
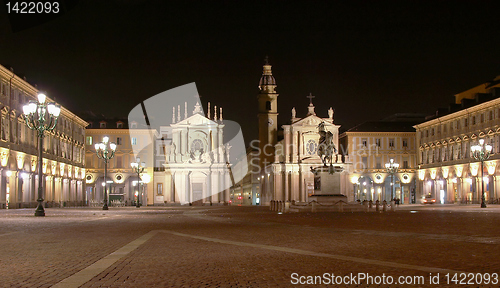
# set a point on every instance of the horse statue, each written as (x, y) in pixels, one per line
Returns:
(326, 148)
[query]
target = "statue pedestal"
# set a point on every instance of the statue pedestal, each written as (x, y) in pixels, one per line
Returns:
(327, 185)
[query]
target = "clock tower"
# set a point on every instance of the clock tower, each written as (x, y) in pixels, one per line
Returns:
(268, 115)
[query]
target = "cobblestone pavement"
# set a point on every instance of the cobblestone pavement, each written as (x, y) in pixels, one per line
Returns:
(248, 247)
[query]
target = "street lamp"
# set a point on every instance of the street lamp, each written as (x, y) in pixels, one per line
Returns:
(138, 168)
(41, 117)
(391, 169)
(105, 151)
(481, 152)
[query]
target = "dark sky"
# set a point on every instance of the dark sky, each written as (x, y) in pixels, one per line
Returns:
(367, 59)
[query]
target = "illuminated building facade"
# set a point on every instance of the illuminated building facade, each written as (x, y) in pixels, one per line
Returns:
(285, 165)
(447, 170)
(63, 151)
(123, 184)
(372, 145)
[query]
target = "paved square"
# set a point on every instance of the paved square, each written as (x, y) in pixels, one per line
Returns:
(246, 247)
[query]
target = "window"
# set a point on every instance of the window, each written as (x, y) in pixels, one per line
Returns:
(365, 162)
(119, 125)
(88, 161)
(377, 142)
(119, 162)
(268, 105)
(364, 142)
(405, 164)
(118, 140)
(88, 140)
(196, 145)
(159, 189)
(405, 142)
(466, 122)
(134, 141)
(473, 120)
(311, 147)
(482, 118)
(427, 132)
(458, 124)
(133, 125)
(491, 116)
(378, 162)
(432, 132)
(444, 128)
(102, 124)
(391, 142)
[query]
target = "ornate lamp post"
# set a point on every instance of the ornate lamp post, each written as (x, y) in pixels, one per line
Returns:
(41, 117)
(391, 169)
(481, 152)
(105, 151)
(138, 168)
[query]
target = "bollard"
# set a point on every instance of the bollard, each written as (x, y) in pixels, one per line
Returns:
(370, 204)
(313, 207)
(393, 203)
(365, 206)
(384, 206)
(272, 205)
(341, 206)
(287, 206)
(377, 206)
(280, 206)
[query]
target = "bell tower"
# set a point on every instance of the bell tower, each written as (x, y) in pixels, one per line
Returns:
(268, 115)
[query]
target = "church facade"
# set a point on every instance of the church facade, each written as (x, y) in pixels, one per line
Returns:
(285, 165)
(196, 167)
(185, 161)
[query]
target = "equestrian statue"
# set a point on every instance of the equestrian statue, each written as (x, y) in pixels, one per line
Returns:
(326, 148)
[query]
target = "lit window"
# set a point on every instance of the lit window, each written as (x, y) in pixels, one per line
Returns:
(365, 143)
(88, 140)
(118, 140)
(134, 141)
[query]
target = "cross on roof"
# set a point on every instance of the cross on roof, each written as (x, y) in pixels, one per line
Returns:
(310, 96)
(266, 60)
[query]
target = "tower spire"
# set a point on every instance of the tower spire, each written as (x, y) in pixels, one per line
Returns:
(267, 83)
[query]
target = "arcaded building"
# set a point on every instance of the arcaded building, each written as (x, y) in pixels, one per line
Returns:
(447, 170)
(63, 151)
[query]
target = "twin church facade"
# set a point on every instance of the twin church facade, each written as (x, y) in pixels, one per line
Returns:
(188, 161)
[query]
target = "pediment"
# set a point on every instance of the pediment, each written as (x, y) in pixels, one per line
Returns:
(312, 120)
(195, 120)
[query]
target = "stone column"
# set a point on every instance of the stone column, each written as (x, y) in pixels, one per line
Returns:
(286, 149)
(286, 190)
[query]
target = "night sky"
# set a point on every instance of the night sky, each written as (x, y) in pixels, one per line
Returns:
(365, 59)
